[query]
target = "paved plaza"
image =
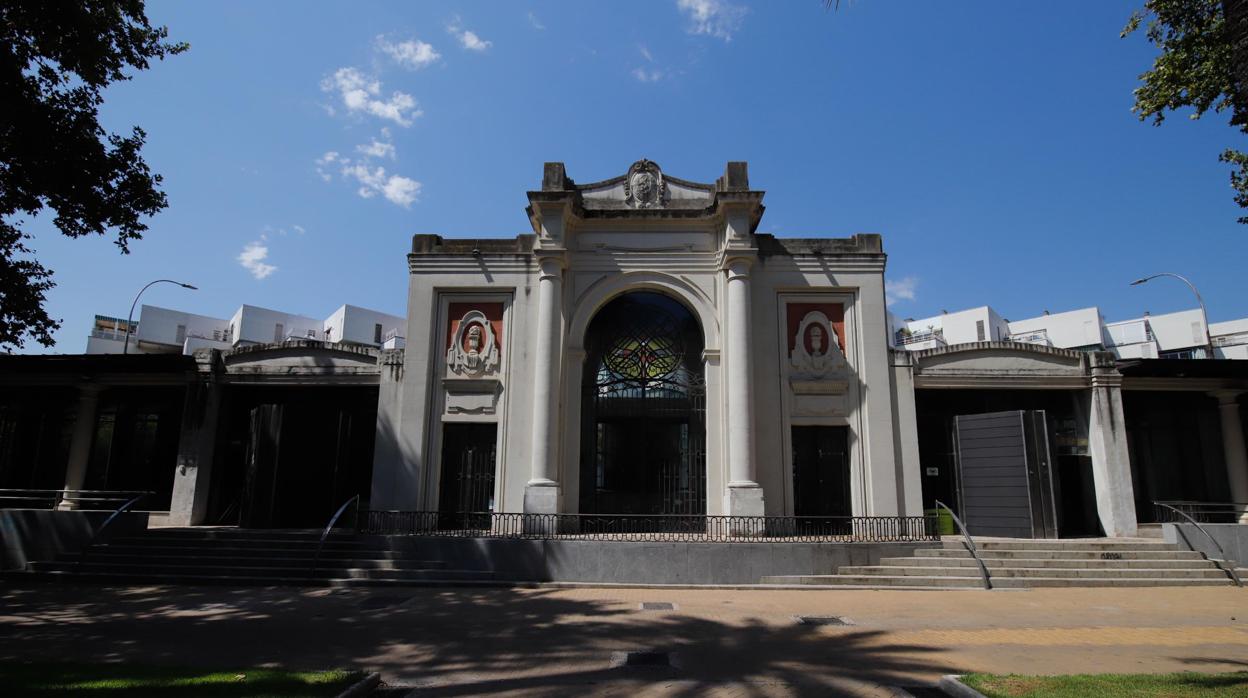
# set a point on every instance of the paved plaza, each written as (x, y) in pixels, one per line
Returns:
(544, 641)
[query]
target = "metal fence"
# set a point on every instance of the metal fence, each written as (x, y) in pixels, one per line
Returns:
(658, 528)
(1203, 512)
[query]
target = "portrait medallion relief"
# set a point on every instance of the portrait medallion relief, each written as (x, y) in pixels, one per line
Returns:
(644, 186)
(474, 349)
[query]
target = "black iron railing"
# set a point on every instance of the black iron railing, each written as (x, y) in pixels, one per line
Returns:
(657, 528)
(1181, 511)
(87, 500)
(1225, 563)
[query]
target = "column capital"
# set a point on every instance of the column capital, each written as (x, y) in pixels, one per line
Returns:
(710, 356)
(551, 262)
(737, 263)
(1227, 398)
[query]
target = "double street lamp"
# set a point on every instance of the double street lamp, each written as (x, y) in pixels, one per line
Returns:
(126, 348)
(1204, 316)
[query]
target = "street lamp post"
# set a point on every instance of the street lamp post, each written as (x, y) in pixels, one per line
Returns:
(1204, 315)
(126, 347)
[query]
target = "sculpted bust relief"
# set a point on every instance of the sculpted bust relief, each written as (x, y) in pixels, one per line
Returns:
(473, 349)
(820, 359)
(644, 187)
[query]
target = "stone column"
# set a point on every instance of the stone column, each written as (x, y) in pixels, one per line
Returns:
(744, 496)
(541, 494)
(80, 442)
(1107, 444)
(197, 441)
(1233, 449)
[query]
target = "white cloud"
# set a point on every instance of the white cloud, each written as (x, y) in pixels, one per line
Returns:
(644, 75)
(374, 180)
(645, 53)
(323, 162)
(413, 54)
(362, 94)
(900, 290)
(377, 149)
(467, 39)
(299, 229)
(537, 23)
(715, 18)
(252, 259)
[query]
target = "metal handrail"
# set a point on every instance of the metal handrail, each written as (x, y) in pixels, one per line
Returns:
(56, 496)
(970, 544)
(112, 517)
(1230, 564)
(316, 559)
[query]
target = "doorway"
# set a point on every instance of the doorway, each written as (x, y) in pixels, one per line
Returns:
(466, 497)
(643, 402)
(821, 494)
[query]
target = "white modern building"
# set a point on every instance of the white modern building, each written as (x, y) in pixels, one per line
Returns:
(1178, 335)
(166, 331)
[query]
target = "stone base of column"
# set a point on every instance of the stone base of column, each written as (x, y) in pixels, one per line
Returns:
(541, 506)
(745, 502)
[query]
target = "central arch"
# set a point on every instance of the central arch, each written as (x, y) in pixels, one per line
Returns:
(643, 409)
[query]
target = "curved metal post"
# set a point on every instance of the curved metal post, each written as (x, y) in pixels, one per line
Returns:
(111, 517)
(970, 544)
(1230, 564)
(330, 526)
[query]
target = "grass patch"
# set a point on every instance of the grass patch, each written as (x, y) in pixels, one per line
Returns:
(54, 679)
(1111, 685)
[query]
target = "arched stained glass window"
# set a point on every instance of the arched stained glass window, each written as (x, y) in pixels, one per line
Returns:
(643, 409)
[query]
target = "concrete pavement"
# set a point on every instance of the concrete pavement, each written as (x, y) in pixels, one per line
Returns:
(563, 641)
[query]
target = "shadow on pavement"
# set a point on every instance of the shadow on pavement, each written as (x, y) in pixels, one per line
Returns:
(449, 642)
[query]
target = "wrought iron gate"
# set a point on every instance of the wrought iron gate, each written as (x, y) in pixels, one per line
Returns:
(467, 488)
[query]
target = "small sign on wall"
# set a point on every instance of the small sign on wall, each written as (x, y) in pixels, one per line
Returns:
(932, 472)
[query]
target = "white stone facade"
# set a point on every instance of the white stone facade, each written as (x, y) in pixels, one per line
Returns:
(695, 243)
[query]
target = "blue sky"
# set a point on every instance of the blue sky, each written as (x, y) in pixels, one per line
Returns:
(992, 144)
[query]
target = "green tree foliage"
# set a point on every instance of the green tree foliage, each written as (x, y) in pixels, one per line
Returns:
(1203, 65)
(56, 58)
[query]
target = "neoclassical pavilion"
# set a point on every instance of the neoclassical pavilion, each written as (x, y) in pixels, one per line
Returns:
(655, 355)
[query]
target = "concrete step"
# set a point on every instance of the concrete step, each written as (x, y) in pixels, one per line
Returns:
(139, 570)
(198, 533)
(255, 561)
(285, 551)
(998, 563)
(123, 578)
(1034, 554)
(1082, 544)
(908, 581)
(873, 581)
(1056, 573)
(213, 543)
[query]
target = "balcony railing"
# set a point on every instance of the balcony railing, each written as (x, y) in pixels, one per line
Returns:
(115, 335)
(653, 528)
(1231, 340)
(937, 336)
(1040, 336)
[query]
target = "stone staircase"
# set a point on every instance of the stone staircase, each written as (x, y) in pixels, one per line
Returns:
(1015, 564)
(249, 557)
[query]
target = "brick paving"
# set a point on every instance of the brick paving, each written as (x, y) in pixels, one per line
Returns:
(525, 642)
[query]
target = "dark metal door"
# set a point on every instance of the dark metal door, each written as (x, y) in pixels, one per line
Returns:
(821, 471)
(467, 486)
(1004, 473)
(263, 450)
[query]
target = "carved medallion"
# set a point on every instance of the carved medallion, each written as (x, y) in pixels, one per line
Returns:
(473, 349)
(816, 347)
(644, 186)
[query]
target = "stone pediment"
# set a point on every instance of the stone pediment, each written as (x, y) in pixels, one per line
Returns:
(646, 187)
